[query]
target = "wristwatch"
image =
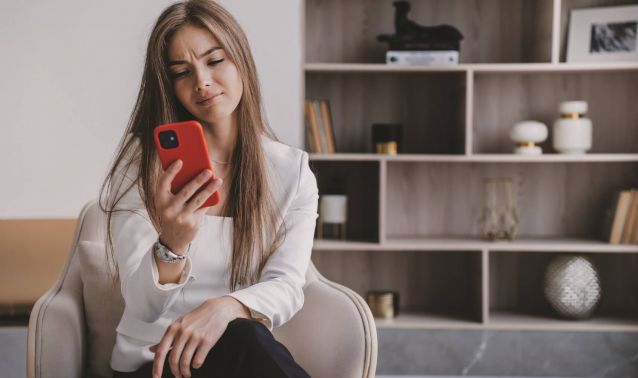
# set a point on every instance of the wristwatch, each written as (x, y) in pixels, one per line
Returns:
(165, 255)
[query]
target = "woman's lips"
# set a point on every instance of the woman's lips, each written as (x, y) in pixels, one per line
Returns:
(208, 100)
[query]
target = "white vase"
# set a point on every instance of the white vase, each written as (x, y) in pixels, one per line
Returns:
(333, 216)
(572, 133)
(333, 208)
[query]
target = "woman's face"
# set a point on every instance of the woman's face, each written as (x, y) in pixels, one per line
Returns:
(205, 81)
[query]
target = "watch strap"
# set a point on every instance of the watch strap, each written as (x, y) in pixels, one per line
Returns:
(165, 255)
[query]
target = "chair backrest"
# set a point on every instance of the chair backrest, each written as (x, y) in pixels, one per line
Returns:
(332, 335)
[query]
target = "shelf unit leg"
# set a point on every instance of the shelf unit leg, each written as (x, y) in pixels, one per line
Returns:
(383, 182)
(469, 112)
(485, 286)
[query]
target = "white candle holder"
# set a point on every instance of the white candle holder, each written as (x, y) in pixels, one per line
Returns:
(527, 134)
(333, 216)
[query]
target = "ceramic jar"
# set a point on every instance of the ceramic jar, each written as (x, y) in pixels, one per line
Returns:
(572, 133)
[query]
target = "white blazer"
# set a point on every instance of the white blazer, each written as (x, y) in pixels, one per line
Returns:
(151, 307)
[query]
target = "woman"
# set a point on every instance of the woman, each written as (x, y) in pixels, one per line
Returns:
(211, 312)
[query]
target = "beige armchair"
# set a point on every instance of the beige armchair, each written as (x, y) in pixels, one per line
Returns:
(72, 326)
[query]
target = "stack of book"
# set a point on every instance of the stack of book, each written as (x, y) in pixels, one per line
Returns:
(422, 57)
(319, 131)
(622, 218)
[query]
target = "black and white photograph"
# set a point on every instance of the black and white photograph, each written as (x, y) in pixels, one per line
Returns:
(613, 37)
(606, 34)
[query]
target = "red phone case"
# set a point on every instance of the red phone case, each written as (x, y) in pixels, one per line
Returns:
(192, 150)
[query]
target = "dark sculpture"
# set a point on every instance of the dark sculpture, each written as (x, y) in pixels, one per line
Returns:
(411, 36)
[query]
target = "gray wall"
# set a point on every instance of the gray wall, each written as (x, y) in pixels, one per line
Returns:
(70, 74)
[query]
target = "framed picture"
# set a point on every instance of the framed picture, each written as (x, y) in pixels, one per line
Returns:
(603, 34)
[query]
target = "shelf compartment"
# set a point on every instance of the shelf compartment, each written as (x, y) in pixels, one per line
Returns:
(435, 288)
(562, 200)
(430, 106)
(568, 5)
(501, 100)
(495, 31)
(361, 184)
(517, 301)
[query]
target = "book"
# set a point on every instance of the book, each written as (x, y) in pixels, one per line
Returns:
(327, 125)
(630, 223)
(323, 138)
(620, 215)
(319, 129)
(312, 130)
(608, 217)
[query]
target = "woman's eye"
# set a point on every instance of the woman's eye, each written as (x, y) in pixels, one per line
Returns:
(177, 75)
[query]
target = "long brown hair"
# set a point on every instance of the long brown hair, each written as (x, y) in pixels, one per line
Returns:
(250, 202)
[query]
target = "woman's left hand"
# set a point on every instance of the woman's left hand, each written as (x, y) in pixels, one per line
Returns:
(193, 335)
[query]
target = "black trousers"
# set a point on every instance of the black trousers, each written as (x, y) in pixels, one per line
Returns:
(246, 349)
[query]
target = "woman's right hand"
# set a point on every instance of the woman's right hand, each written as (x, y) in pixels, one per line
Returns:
(180, 214)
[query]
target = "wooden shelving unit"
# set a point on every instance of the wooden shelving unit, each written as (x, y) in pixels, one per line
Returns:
(413, 217)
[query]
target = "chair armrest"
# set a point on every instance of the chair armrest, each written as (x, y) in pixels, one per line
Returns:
(334, 334)
(56, 343)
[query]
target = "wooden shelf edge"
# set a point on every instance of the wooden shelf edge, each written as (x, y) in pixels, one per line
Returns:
(477, 67)
(426, 320)
(336, 245)
(478, 158)
(504, 322)
(472, 244)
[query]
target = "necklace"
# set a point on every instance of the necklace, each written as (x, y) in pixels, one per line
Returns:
(220, 162)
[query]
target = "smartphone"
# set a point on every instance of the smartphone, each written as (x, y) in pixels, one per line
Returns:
(185, 141)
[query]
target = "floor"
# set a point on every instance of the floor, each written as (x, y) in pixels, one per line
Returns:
(13, 346)
(13, 351)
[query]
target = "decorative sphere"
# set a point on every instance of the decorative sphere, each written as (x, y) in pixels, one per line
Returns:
(572, 286)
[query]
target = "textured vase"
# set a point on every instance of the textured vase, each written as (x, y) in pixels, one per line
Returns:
(499, 218)
(572, 286)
